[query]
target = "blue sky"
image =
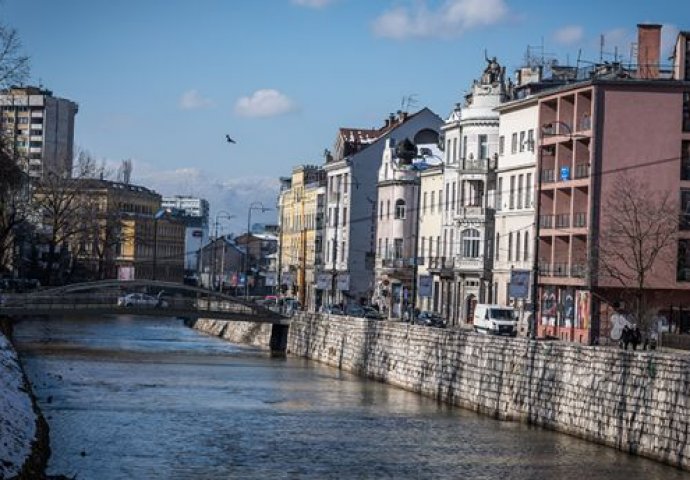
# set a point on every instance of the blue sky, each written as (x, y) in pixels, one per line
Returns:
(162, 81)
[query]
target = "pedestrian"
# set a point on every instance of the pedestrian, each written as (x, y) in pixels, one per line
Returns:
(625, 337)
(636, 337)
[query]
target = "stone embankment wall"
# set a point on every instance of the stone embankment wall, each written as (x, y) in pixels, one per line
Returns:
(635, 401)
(24, 444)
(247, 333)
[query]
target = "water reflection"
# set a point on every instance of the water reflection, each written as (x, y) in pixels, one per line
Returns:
(149, 398)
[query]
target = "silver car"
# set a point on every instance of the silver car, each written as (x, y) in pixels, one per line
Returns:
(141, 300)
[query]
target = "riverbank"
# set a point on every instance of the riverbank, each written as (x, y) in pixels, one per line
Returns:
(24, 442)
(637, 402)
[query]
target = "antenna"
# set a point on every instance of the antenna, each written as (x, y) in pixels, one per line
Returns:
(408, 101)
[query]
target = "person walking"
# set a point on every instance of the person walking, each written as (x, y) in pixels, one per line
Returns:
(625, 337)
(636, 337)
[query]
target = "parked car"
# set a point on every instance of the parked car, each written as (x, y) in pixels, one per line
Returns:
(495, 320)
(354, 310)
(430, 319)
(141, 300)
(372, 313)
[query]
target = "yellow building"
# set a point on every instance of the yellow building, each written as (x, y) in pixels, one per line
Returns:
(300, 207)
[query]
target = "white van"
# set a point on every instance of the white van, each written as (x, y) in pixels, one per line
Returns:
(495, 319)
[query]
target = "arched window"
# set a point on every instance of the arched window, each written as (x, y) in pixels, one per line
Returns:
(400, 209)
(470, 243)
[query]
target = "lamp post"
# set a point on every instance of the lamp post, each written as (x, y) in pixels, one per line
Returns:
(158, 215)
(543, 132)
(247, 266)
(219, 215)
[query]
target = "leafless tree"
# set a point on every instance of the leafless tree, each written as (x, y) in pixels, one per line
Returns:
(638, 239)
(13, 204)
(14, 65)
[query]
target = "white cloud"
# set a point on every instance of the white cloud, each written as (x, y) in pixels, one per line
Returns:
(192, 100)
(312, 3)
(233, 195)
(264, 103)
(451, 19)
(569, 35)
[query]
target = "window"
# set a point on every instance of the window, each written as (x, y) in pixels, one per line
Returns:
(517, 246)
(525, 250)
(445, 243)
(388, 209)
(685, 209)
(385, 171)
(499, 195)
(379, 251)
(451, 241)
(344, 216)
(381, 210)
(455, 150)
(522, 141)
(470, 243)
(683, 265)
(447, 195)
(425, 202)
(448, 157)
(387, 251)
(686, 112)
(440, 199)
(400, 209)
(345, 177)
(501, 144)
(398, 248)
(528, 191)
(433, 201)
(510, 246)
(342, 251)
(483, 147)
(453, 198)
(530, 140)
(438, 245)
(511, 199)
(498, 245)
(513, 143)
(422, 244)
(464, 146)
(519, 191)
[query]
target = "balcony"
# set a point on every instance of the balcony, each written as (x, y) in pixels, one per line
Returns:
(471, 212)
(475, 166)
(563, 220)
(580, 220)
(546, 221)
(465, 263)
(562, 270)
(581, 170)
(547, 175)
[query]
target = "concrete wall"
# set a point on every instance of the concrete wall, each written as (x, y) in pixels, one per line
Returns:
(634, 401)
(246, 333)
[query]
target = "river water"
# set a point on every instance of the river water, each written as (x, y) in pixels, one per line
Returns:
(137, 398)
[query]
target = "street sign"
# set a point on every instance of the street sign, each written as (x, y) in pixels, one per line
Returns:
(519, 283)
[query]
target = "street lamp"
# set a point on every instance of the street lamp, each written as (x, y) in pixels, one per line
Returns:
(253, 206)
(544, 131)
(219, 215)
(158, 215)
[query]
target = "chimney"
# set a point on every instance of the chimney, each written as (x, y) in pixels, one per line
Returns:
(648, 50)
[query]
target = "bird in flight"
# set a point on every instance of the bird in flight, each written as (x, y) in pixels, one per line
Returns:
(230, 140)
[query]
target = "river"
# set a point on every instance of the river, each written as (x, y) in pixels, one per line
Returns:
(142, 398)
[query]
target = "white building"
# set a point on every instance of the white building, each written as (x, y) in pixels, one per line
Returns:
(40, 129)
(397, 221)
(351, 202)
(471, 145)
(192, 206)
(429, 247)
(194, 213)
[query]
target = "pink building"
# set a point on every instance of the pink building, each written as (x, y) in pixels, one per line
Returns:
(622, 127)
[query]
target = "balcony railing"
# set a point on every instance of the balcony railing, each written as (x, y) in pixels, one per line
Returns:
(475, 166)
(547, 175)
(471, 211)
(580, 219)
(546, 221)
(563, 220)
(464, 263)
(562, 270)
(581, 170)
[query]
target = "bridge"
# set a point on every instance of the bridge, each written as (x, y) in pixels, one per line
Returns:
(101, 298)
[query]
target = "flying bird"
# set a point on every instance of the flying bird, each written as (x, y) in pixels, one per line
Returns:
(230, 140)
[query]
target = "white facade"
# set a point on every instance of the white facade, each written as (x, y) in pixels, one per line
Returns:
(516, 179)
(351, 202)
(430, 227)
(194, 213)
(192, 206)
(471, 148)
(40, 127)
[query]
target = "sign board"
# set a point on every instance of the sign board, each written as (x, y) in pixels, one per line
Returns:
(271, 279)
(125, 273)
(323, 281)
(287, 278)
(519, 283)
(343, 281)
(565, 173)
(425, 283)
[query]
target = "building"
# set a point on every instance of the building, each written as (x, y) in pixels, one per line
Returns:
(300, 214)
(193, 212)
(397, 220)
(621, 134)
(429, 247)
(221, 264)
(351, 202)
(259, 248)
(40, 128)
(464, 269)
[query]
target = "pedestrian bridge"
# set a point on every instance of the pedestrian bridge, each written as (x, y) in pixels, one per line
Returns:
(101, 298)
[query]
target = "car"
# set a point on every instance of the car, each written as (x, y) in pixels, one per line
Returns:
(354, 310)
(141, 300)
(372, 313)
(430, 319)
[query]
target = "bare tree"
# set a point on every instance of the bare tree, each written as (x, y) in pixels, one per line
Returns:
(13, 205)
(638, 238)
(14, 65)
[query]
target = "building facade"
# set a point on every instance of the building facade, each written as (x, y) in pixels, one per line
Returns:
(39, 127)
(194, 213)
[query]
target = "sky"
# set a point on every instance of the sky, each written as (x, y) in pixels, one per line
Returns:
(162, 82)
